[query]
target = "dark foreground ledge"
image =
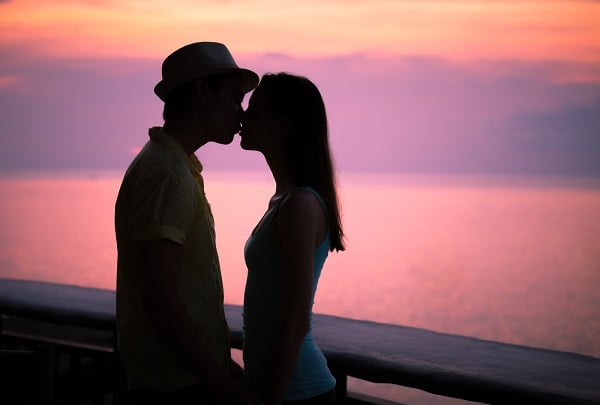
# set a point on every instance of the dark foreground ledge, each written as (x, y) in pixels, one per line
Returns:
(443, 364)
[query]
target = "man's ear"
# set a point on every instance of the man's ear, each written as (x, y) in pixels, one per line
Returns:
(284, 125)
(202, 91)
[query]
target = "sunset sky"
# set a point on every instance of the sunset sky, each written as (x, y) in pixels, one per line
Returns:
(480, 86)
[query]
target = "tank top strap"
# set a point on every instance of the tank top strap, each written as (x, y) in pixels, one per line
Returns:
(316, 194)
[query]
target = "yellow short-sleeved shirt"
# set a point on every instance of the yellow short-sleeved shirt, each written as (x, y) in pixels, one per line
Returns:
(162, 197)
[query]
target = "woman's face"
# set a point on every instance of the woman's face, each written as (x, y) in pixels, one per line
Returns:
(260, 130)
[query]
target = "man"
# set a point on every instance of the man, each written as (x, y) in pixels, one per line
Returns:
(172, 334)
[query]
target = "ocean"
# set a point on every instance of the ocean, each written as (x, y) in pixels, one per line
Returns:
(512, 259)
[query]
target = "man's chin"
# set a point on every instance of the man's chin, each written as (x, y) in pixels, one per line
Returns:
(245, 146)
(226, 141)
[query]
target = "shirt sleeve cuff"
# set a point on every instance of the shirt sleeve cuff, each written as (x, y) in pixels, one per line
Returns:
(160, 232)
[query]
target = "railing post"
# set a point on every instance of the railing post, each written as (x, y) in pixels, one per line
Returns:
(341, 385)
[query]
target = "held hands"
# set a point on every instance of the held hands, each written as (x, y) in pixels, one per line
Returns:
(239, 394)
(239, 391)
(237, 372)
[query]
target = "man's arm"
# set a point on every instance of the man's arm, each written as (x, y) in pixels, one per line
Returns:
(164, 306)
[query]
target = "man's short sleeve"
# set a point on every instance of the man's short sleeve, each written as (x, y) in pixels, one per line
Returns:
(163, 206)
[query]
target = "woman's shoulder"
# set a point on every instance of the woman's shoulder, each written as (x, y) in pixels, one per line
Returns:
(302, 198)
(302, 204)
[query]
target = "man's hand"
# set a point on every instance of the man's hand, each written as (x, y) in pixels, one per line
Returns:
(237, 373)
(238, 393)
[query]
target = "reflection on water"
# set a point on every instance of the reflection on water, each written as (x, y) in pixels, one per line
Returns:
(507, 261)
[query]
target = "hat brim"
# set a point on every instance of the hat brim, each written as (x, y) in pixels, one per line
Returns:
(249, 79)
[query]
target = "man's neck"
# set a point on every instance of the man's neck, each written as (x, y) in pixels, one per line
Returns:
(185, 136)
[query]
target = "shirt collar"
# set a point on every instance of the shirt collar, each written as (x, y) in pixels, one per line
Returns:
(157, 134)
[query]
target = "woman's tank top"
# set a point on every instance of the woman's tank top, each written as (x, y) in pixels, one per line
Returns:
(263, 314)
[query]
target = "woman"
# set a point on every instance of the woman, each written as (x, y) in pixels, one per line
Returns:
(285, 253)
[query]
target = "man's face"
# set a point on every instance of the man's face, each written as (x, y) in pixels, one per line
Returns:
(224, 110)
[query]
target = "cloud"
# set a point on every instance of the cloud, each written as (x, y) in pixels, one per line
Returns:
(9, 80)
(530, 29)
(430, 114)
(572, 127)
(568, 139)
(76, 113)
(386, 114)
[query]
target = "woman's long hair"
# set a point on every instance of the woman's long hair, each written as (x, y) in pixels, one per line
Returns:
(310, 163)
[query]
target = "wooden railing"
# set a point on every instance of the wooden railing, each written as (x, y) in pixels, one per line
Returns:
(82, 320)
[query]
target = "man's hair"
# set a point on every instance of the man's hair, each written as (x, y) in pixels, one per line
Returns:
(178, 99)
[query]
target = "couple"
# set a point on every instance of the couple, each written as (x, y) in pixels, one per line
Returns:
(172, 334)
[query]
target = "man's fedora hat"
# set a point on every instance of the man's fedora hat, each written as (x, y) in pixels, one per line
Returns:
(198, 60)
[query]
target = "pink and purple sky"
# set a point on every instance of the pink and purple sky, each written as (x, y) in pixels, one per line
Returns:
(432, 86)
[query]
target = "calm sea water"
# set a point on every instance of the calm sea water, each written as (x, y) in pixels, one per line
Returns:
(514, 260)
